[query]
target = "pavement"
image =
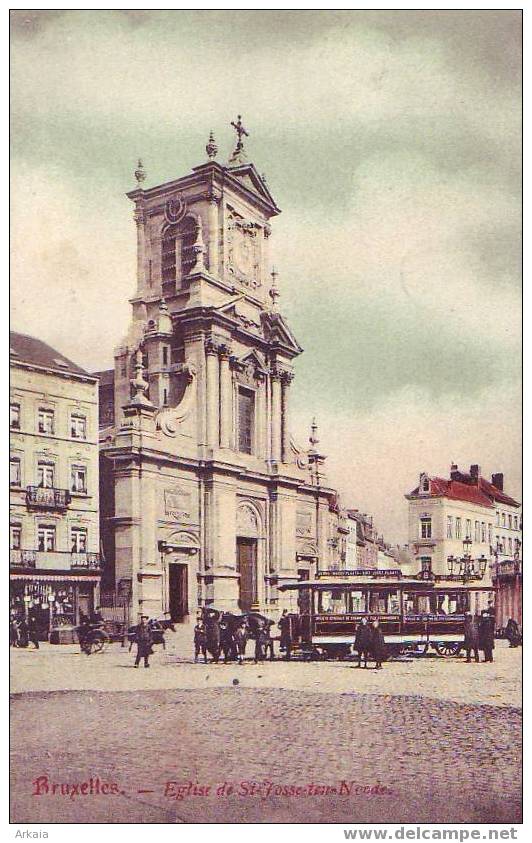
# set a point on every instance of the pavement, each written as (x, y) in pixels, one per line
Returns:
(422, 740)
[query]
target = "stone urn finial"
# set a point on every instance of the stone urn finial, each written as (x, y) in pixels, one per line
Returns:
(211, 148)
(274, 290)
(139, 384)
(140, 174)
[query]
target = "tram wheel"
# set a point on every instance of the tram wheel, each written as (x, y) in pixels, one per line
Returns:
(448, 648)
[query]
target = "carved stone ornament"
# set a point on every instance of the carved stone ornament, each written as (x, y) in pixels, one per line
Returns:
(246, 321)
(247, 371)
(183, 541)
(175, 209)
(301, 456)
(169, 419)
(304, 523)
(243, 251)
(247, 521)
(177, 504)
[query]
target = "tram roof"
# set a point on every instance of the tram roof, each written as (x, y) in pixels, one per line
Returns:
(356, 582)
(352, 582)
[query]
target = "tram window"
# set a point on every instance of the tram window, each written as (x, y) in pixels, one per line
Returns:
(424, 604)
(408, 603)
(332, 602)
(356, 601)
(380, 602)
(394, 603)
(454, 604)
(417, 604)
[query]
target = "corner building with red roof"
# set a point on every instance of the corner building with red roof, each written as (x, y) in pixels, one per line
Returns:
(467, 515)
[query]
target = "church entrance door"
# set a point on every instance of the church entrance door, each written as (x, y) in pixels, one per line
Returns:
(178, 591)
(247, 568)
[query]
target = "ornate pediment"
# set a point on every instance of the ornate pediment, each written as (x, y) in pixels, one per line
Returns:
(250, 368)
(248, 176)
(277, 332)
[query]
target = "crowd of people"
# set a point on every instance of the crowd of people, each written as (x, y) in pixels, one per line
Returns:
(368, 645)
(479, 634)
(23, 632)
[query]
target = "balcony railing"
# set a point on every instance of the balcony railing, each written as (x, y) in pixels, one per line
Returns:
(23, 558)
(88, 561)
(56, 560)
(47, 498)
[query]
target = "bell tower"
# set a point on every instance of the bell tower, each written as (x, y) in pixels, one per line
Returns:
(205, 311)
(208, 501)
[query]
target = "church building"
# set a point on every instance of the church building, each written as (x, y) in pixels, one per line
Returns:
(205, 497)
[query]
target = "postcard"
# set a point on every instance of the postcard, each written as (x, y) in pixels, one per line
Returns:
(265, 558)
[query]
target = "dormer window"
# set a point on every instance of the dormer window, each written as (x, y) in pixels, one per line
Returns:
(424, 484)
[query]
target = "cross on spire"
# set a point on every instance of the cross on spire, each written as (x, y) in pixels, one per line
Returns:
(239, 129)
(238, 155)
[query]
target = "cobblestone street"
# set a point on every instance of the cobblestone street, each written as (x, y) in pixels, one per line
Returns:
(437, 740)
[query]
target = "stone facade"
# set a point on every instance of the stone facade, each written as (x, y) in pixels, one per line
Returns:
(206, 499)
(54, 517)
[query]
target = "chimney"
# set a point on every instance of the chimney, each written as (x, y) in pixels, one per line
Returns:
(455, 474)
(475, 472)
(498, 481)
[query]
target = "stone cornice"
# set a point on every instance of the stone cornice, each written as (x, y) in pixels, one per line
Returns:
(202, 318)
(207, 468)
(48, 370)
(210, 174)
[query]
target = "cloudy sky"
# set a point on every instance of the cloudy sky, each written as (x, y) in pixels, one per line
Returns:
(391, 140)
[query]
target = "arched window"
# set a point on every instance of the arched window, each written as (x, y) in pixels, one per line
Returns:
(177, 255)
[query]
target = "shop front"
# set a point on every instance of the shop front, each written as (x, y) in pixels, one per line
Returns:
(55, 600)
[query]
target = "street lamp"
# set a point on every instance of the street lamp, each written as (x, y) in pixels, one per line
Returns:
(466, 567)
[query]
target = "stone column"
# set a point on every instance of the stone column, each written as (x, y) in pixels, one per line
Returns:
(276, 416)
(214, 233)
(140, 221)
(156, 261)
(226, 398)
(285, 436)
(261, 423)
(211, 354)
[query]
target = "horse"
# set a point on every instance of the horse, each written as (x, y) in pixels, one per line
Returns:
(158, 629)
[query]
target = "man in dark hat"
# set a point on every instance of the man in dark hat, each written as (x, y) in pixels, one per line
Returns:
(32, 631)
(378, 646)
(362, 643)
(486, 634)
(200, 641)
(285, 625)
(144, 641)
(470, 636)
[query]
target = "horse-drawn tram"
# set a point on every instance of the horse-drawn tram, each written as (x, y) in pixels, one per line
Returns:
(414, 613)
